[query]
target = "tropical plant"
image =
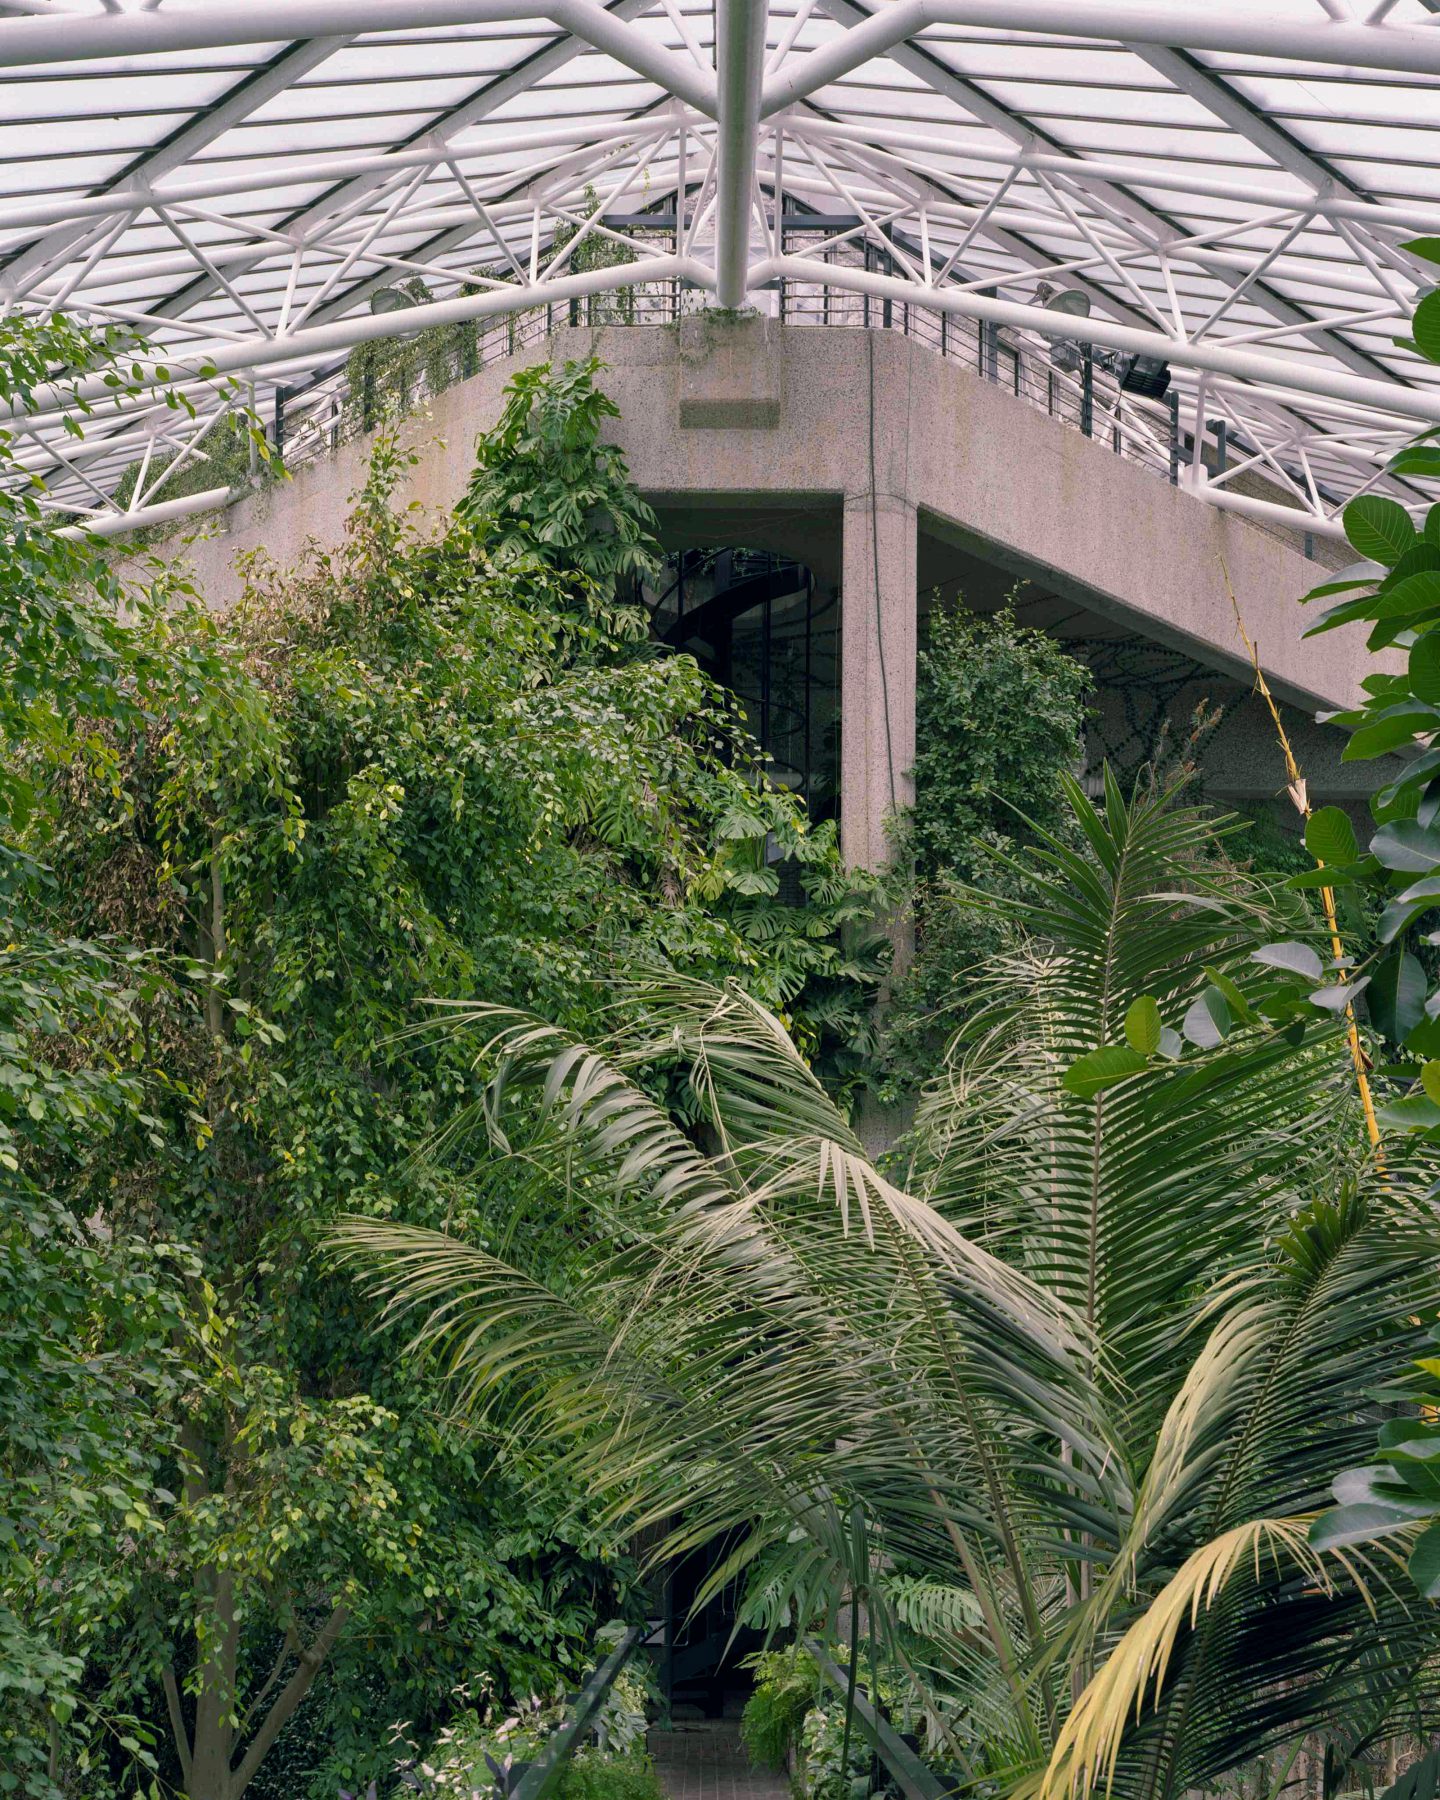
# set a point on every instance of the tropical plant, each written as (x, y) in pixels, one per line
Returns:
(1395, 590)
(999, 720)
(1051, 1417)
(240, 852)
(786, 1687)
(545, 486)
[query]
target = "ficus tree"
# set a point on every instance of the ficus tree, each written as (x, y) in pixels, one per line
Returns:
(437, 762)
(1392, 1499)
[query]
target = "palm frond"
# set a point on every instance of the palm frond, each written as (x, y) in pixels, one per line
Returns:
(1088, 1748)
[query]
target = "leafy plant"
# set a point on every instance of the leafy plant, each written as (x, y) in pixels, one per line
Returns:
(1396, 1493)
(1089, 1368)
(1000, 715)
(786, 1687)
(245, 851)
(1395, 590)
(545, 486)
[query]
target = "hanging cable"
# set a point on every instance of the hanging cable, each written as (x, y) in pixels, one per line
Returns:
(879, 609)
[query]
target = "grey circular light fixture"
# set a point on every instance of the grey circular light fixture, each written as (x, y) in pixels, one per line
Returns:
(390, 299)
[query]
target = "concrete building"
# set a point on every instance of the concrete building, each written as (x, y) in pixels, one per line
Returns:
(888, 475)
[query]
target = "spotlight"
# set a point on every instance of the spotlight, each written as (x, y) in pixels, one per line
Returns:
(1065, 353)
(390, 299)
(1147, 376)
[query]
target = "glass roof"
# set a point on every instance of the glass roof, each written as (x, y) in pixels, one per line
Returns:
(1233, 185)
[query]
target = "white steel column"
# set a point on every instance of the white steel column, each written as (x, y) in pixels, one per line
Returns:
(740, 62)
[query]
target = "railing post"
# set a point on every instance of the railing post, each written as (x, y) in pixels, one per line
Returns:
(1087, 391)
(279, 432)
(1174, 438)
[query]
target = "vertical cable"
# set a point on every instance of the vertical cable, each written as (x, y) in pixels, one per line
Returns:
(879, 610)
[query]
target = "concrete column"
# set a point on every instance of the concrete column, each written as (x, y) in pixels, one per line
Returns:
(877, 672)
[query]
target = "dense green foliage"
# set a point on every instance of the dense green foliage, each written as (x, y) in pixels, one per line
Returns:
(786, 1687)
(1052, 1415)
(1395, 590)
(419, 767)
(999, 719)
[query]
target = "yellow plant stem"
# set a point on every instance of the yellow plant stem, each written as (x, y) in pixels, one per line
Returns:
(1300, 798)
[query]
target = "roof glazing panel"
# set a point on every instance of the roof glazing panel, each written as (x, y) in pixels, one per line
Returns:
(1178, 171)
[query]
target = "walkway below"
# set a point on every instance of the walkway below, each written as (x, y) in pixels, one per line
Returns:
(707, 1761)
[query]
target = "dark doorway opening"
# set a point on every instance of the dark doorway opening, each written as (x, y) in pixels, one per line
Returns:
(703, 1673)
(764, 627)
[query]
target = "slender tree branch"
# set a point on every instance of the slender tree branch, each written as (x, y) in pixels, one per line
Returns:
(177, 1720)
(289, 1697)
(287, 1649)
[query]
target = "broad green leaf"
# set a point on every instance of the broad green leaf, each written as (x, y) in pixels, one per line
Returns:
(1396, 996)
(1336, 997)
(1412, 1112)
(1407, 845)
(1330, 837)
(1397, 726)
(1207, 1021)
(1424, 1040)
(1376, 1485)
(1359, 1524)
(1143, 1026)
(1415, 594)
(1425, 327)
(1415, 774)
(1101, 1069)
(1294, 958)
(1425, 666)
(1427, 248)
(1416, 459)
(1331, 878)
(1240, 1009)
(1344, 612)
(1398, 915)
(1379, 528)
(1430, 1081)
(1364, 573)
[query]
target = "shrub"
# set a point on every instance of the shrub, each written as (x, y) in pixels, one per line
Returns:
(785, 1688)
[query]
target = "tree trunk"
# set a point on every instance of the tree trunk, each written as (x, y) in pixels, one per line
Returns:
(214, 1743)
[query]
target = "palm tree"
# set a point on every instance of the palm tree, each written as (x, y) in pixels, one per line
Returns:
(1046, 1422)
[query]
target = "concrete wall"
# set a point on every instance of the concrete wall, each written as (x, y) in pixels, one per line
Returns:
(722, 423)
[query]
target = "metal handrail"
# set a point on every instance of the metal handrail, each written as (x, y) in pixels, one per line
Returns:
(313, 420)
(914, 1780)
(543, 1774)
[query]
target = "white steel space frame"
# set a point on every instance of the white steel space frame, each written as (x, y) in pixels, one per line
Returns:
(738, 136)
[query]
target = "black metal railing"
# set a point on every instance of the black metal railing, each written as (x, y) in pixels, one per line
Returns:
(537, 1778)
(900, 1759)
(313, 420)
(543, 1774)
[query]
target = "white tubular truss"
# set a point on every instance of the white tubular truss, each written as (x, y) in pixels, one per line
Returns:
(1274, 299)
